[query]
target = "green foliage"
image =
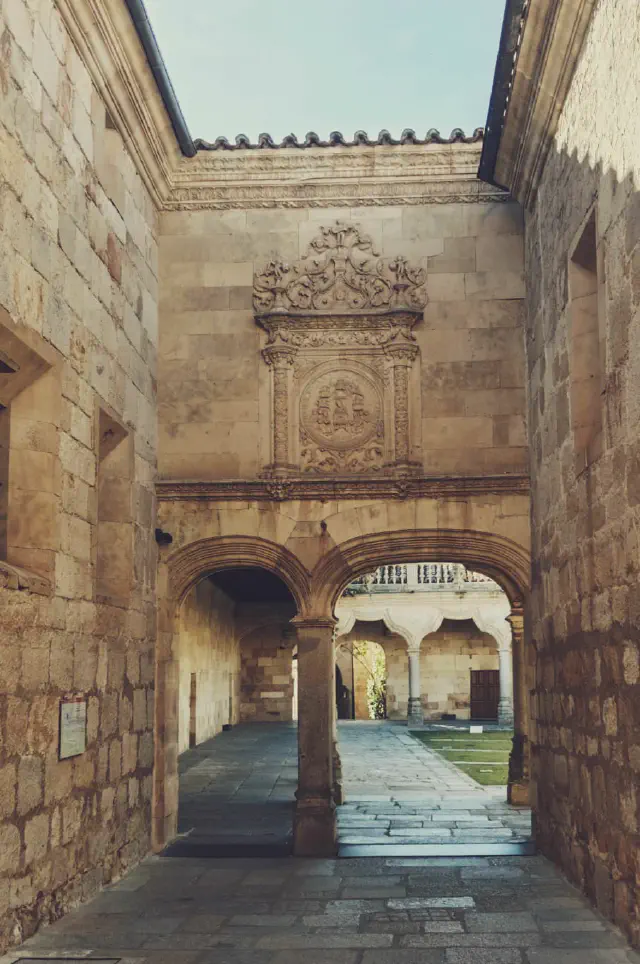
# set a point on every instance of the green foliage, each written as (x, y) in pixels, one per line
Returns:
(377, 689)
(476, 755)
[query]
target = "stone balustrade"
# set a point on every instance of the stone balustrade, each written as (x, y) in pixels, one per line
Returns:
(422, 577)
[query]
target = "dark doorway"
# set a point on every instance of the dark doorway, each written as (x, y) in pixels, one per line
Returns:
(485, 694)
(344, 699)
(193, 712)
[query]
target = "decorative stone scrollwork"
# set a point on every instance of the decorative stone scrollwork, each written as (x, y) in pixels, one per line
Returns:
(341, 351)
(342, 271)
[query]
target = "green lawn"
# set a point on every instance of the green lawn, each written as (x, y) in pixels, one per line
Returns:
(484, 757)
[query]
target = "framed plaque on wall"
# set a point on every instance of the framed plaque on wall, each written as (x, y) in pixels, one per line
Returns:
(73, 727)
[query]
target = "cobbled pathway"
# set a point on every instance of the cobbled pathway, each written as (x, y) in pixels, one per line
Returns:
(511, 910)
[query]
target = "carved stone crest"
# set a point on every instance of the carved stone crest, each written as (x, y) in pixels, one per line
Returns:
(342, 271)
(340, 352)
(341, 422)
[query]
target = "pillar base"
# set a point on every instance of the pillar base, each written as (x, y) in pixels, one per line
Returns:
(338, 795)
(518, 794)
(505, 714)
(415, 714)
(518, 785)
(315, 832)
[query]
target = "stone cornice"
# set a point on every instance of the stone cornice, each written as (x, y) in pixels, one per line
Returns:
(333, 489)
(338, 177)
(108, 43)
(552, 34)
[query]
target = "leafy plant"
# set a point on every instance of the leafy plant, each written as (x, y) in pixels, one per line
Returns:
(377, 689)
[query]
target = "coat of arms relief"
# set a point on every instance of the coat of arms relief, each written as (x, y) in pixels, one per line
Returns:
(342, 354)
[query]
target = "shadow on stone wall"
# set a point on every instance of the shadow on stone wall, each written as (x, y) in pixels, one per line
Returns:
(584, 607)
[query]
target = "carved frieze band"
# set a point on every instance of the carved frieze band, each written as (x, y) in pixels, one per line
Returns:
(330, 489)
(223, 197)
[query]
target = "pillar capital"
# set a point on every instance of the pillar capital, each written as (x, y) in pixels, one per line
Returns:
(516, 618)
(314, 623)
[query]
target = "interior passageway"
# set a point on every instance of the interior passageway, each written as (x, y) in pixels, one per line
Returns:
(237, 793)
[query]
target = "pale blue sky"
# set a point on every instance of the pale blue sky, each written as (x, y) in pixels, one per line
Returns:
(290, 66)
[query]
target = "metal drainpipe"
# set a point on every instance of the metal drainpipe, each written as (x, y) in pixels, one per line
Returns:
(156, 63)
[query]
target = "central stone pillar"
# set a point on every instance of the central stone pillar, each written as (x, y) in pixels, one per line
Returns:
(415, 715)
(505, 705)
(518, 787)
(314, 828)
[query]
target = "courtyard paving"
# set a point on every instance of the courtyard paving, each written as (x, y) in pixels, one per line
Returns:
(510, 910)
(237, 793)
(400, 794)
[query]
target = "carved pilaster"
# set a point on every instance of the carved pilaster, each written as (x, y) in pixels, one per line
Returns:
(280, 360)
(401, 359)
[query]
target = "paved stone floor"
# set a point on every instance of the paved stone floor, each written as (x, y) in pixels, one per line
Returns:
(237, 793)
(510, 910)
(237, 796)
(399, 793)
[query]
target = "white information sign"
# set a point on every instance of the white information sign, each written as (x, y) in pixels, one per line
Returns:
(73, 727)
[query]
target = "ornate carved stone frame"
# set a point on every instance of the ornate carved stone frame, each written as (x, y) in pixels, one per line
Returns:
(344, 386)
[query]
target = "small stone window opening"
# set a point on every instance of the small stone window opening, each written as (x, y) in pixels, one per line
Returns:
(115, 530)
(29, 394)
(587, 344)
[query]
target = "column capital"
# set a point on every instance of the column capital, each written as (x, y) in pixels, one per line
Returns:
(403, 354)
(279, 356)
(516, 620)
(314, 622)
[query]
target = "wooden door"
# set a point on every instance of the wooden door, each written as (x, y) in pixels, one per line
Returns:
(485, 694)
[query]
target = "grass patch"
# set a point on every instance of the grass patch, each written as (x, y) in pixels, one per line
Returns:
(484, 757)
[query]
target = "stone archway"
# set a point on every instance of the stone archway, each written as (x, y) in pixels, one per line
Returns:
(179, 572)
(497, 556)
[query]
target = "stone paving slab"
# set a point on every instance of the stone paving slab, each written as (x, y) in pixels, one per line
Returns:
(366, 911)
(428, 802)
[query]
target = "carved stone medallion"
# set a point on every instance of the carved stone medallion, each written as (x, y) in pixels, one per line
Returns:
(340, 409)
(341, 422)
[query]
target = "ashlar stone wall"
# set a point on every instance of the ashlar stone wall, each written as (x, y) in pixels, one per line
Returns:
(446, 660)
(214, 385)
(78, 290)
(267, 682)
(209, 665)
(585, 619)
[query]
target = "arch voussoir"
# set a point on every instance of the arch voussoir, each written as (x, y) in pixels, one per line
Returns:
(503, 559)
(190, 563)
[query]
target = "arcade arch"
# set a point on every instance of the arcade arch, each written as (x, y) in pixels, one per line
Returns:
(315, 590)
